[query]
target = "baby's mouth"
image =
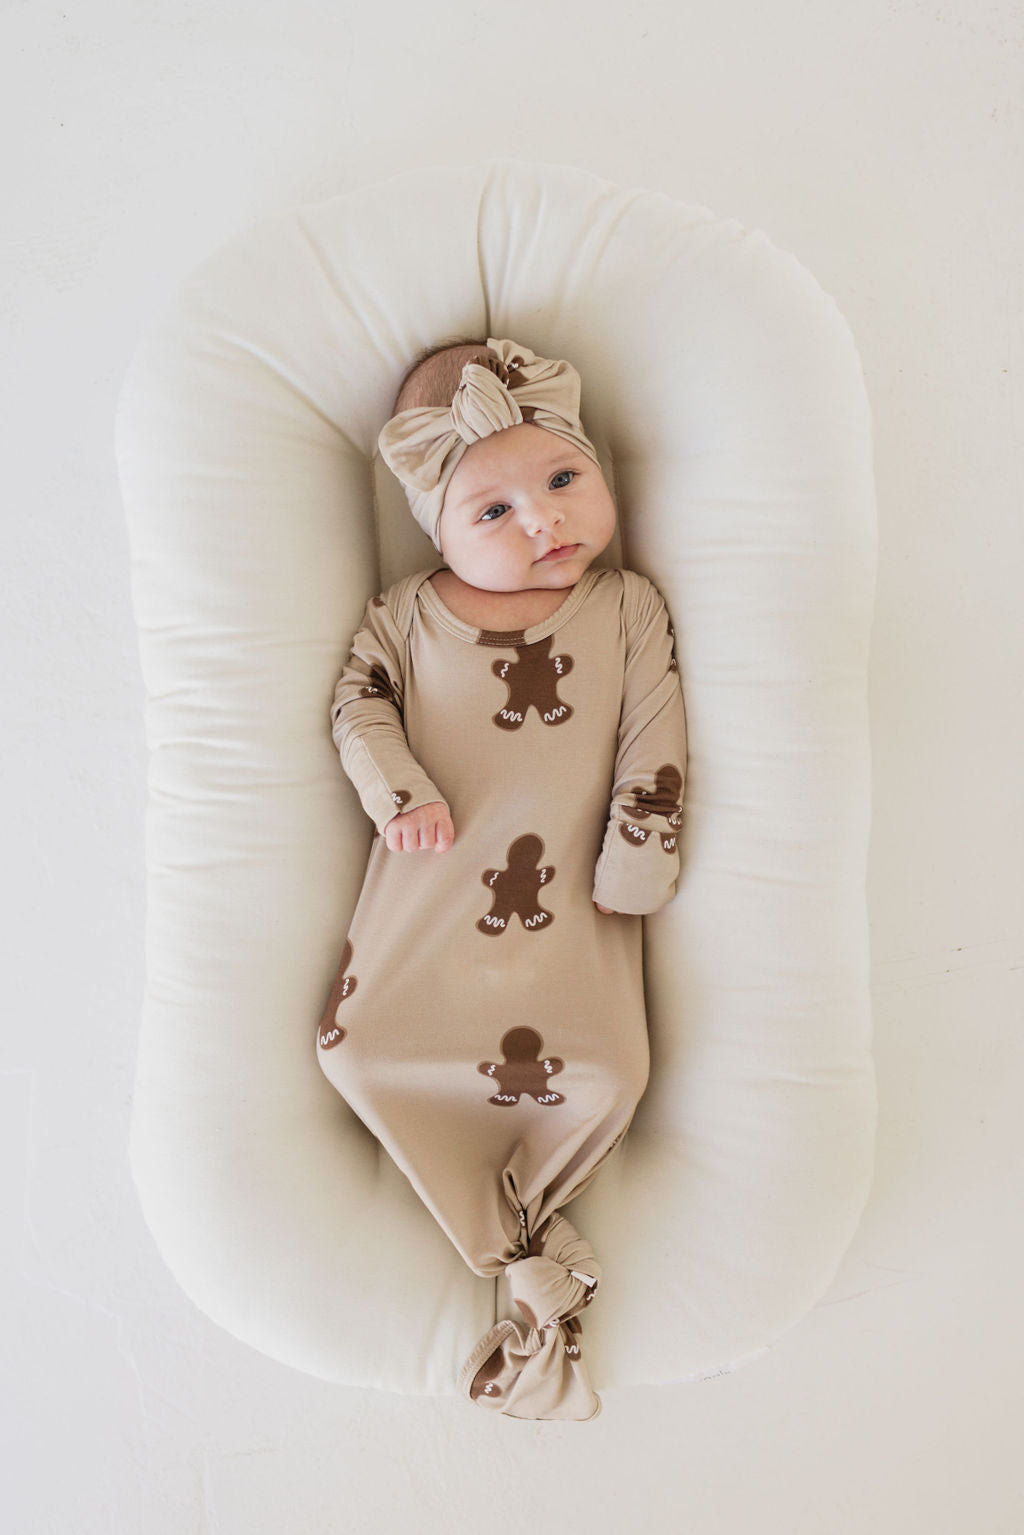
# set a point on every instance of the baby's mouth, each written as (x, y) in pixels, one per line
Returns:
(560, 552)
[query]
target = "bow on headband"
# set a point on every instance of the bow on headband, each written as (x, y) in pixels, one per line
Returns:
(423, 447)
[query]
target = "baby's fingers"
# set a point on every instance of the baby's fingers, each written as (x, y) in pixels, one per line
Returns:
(415, 836)
(423, 836)
(402, 833)
(429, 826)
(393, 837)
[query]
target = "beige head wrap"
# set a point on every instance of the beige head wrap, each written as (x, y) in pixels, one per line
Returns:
(423, 447)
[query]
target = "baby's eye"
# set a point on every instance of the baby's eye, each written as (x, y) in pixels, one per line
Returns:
(562, 478)
(494, 512)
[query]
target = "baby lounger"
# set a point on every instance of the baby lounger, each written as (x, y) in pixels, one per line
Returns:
(723, 391)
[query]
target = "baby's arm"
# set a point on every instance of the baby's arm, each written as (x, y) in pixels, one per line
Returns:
(367, 725)
(639, 862)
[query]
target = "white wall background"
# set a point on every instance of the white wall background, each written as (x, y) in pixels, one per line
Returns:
(882, 144)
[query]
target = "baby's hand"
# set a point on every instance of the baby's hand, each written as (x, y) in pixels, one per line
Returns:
(427, 826)
(606, 910)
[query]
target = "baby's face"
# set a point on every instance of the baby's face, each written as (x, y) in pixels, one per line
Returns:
(525, 510)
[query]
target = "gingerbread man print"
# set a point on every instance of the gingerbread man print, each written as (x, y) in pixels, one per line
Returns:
(331, 1033)
(379, 685)
(522, 1071)
(515, 889)
(532, 681)
(663, 800)
(485, 1381)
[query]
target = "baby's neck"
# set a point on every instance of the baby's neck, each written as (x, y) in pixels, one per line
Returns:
(501, 611)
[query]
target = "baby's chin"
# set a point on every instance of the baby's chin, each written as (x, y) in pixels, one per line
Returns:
(555, 580)
(541, 576)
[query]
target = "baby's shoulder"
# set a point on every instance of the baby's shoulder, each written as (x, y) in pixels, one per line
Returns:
(637, 594)
(397, 603)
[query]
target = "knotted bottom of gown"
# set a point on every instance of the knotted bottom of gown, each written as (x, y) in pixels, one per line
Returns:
(536, 1370)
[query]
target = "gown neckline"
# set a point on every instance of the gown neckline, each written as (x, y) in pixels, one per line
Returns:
(473, 635)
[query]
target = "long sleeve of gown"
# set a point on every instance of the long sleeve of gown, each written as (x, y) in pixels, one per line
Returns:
(367, 721)
(639, 861)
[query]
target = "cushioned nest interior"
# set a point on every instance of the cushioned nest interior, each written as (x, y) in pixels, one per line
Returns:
(724, 393)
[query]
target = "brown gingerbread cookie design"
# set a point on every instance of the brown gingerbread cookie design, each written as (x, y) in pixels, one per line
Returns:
(379, 685)
(401, 798)
(572, 1328)
(522, 1070)
(516, 888)
(485, 1382)
(532, 681)
(330, 1032)
(664, 800)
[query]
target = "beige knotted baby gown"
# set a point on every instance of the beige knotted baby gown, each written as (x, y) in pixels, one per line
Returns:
(487, 1022)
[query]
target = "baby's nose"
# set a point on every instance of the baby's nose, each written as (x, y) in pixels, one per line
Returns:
(541, 516)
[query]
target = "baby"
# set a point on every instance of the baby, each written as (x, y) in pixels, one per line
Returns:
(518, 713)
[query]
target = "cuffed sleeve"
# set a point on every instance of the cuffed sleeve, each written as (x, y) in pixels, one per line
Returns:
(638, 866)
(367, 722)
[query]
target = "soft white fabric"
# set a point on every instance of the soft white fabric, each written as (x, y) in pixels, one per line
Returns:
(725, 398)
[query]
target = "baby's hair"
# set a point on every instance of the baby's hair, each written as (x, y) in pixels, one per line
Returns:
(436, 373)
